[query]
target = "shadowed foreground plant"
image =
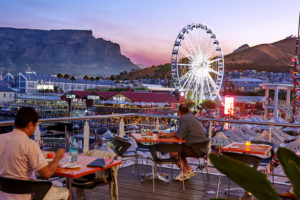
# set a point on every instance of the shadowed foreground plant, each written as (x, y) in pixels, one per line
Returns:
(245, 176)
(255, 181)
(291, 165)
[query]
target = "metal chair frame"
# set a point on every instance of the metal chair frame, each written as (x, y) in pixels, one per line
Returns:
(120, 148)
(39, 189)
(164, 148)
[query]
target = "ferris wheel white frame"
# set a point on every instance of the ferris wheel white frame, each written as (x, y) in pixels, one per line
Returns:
(198, 80)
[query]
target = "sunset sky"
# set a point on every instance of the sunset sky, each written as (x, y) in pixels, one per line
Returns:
(146, 29)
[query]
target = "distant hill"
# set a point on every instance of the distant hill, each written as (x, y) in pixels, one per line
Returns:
(243, 47)
(159, 71)
(264, 57)
(76, 52)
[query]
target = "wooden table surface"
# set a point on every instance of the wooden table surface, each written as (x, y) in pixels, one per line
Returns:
(84, 170)
(260, 149)
(154, 138)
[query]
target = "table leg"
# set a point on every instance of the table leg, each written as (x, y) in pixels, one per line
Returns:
(69, 186)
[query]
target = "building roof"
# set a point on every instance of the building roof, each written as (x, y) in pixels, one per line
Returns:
(246, 80)
(39, 97)
(134, 96)
(248, 99)
(278, 85)
(4, 87)
(150, 97)
(79, 94)
(105, 94)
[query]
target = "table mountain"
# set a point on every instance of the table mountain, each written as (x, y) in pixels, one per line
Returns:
(76, 52)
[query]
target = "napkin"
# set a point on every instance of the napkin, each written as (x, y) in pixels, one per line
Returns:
(100, 162)
(70, 165)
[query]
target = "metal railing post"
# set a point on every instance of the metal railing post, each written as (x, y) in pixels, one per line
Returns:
(209, 144)
(270, 140)
(121, 128)
(86, 136)
(157, 125)
(270, 133)
(37, 133)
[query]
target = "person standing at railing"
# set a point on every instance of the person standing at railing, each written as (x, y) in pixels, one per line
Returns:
(21, 156)
(192, 131)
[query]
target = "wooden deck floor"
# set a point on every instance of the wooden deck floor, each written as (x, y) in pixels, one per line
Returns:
(131, 187)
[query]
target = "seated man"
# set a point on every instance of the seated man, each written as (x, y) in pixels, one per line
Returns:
(192, 131)
(21, 156)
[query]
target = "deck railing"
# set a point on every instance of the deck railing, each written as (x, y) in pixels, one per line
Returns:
(155, 123)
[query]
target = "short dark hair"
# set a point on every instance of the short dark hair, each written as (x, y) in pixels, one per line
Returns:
(184, 109)
(26, 115)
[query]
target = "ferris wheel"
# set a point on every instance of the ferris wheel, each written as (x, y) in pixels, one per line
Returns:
(197, 63)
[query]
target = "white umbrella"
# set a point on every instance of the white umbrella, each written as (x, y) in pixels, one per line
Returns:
(236, 135)
(264, 136)
(276, 132)
(294, 146)
(248, 131)
(220, 139)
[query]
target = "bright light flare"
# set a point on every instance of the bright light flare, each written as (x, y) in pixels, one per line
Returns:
(228, 105)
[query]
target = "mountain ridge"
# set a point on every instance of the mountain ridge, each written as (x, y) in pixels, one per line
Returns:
(271, 57)
(76, 52)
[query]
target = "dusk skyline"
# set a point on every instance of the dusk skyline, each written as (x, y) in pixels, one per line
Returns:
(146, 30)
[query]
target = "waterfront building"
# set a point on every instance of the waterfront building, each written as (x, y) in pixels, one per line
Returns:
(106, 102)
(7, 95)
(246, 84)
(32, 82)
(278, 106)
(48, 105)
(247, 105)
(282, 77)
(9, 78)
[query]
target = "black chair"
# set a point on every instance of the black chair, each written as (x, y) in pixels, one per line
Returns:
(121, 147)
(164, 148)
(202, 154)
(38, 189)
(245, 158)
(268, 160)
(252, 160)
(91, 182)
(141, 147)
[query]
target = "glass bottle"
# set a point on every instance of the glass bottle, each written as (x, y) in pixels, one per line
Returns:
(73, 151)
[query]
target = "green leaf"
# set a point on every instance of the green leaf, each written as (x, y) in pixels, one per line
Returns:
(295, 179)
(245, 176)
(291, 165)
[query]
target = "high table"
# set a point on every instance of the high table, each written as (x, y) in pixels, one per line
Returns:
(83, 170)
(155, 139)
(259, 149)
(248, 154)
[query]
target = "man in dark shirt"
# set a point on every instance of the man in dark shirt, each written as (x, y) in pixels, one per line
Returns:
(192, 131)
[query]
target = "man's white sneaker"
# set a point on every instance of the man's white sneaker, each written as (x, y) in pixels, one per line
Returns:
(182, 177)
(191, 173)
(179, 177)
